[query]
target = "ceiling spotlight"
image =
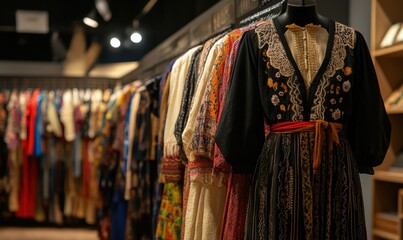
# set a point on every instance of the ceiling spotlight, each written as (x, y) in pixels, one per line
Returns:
(136, 37)
(103, 9)
(115, 42)
(90, 21)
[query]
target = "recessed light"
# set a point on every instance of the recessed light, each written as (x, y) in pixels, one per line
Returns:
(136, 37)
(115, 42)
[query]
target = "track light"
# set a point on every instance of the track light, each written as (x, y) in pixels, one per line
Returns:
(136, 37)
(115, 42)
(90, 19)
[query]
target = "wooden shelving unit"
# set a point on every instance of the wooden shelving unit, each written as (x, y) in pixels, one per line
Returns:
(392, 110)
(392, 51)
(388, 184)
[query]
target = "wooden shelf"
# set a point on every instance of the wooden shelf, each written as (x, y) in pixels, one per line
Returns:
(387, 208)
(393, 110)
(392, 51)
(389, 176)
(385, 234)
(387, 222)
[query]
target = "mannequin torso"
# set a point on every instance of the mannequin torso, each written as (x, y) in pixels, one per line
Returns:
(302, 12)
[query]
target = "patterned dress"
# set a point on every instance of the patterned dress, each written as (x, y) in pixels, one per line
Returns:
(306, 171)
(170, 216)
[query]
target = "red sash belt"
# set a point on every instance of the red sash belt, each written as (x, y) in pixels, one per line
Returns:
(321, 129)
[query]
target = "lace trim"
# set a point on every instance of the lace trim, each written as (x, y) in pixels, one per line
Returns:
(313, 52)
(336, 63)
(295, 99)
(307, 50)
(299, 50)
(264, 33)
(344, 37)
(347, 35)
(278, 58)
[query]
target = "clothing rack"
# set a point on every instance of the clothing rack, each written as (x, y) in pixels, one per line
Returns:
(264, 13)
(225, 29)
(49, 83)
(222, 17)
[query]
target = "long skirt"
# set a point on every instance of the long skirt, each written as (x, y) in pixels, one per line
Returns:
(289, 200)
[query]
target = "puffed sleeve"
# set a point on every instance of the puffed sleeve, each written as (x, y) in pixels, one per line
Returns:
(369, 128)
(240, 133)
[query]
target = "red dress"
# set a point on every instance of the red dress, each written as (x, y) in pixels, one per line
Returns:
(29, 164)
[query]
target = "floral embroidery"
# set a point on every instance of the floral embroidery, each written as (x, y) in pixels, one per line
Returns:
(275, 86)
(279, 116)
(282, 107)
(347, 71)
(268, 65)
(278, 75)
(346, 86)
(341, 100)
(333, 101)
(339, 78)
(283, 86)
(281, 93)
(275, 100)
(344, 37)
(337, 114)
(337, 90)
(332, 89)
(313, 116)
(270, 82)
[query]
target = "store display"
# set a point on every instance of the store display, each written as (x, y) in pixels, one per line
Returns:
(293, 186)
(68, 142)
(246, 135)
(211, 193)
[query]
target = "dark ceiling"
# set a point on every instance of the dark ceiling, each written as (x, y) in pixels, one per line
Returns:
(163, 20)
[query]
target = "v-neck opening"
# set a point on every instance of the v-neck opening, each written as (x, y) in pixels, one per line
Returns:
(307, 100)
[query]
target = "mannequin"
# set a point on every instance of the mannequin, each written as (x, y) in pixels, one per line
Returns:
(302, 12)
(304, 69)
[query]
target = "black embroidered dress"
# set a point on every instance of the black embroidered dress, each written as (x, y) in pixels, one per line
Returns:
(289, 200)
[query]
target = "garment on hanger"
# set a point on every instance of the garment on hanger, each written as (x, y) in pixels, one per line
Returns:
(203, 184)
(169, 226)
(163, 106)
(316, 137)
(4, 156)
(12, 140)
(189, 89)
(237, 198)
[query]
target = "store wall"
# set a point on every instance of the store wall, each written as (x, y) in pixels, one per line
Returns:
(337, 10)
(360, 19)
